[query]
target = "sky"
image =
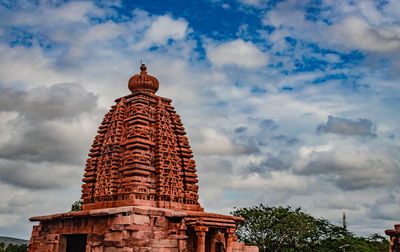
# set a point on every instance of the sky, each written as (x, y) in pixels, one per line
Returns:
(284, 102)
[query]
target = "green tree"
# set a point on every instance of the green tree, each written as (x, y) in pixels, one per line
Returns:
(279, 228)
(77, 205)
(2, 246)
(16, 248)
(287, 229)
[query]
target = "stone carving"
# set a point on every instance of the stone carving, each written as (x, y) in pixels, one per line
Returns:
(141, 155)
(139, 187)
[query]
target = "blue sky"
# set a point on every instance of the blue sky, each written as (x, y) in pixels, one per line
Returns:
(285, 102)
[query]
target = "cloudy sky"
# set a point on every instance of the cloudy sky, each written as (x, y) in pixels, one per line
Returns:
(285, 102)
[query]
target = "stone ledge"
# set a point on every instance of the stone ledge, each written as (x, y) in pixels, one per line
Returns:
(144, 210)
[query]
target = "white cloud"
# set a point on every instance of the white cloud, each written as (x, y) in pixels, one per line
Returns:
(254, 3)
(47, 15)
(339, 201)
(212, 101)
(73, 12)
(392, 9)
(211, 142)
(277, 181)
(286, 14)
(225, 6)
(350, 167)
(7, 220)
(43, 175)
(238, 53)
(164, 28)
(104, 31)
(356, 25)
(387, 207)
(370, 11)
(161, 30)
(22, 63)
(356, 32)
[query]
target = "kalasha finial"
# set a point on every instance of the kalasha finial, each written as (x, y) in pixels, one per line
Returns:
(143, 68)
(143, 81)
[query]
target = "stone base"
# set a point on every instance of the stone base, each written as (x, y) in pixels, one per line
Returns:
(139, 229)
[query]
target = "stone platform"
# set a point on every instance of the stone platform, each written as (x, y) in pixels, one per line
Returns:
(136, 228)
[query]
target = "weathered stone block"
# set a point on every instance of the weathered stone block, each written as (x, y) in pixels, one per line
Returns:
(165, 250)
(114, 236)
(140, 219)
(161, 221)
(125, 220)
(114, 249)
(99, 228)
(164, 243)
(52, 237)
(117, 227)
(136, 227)
(160, 235)
(95, 237)
(142, 235)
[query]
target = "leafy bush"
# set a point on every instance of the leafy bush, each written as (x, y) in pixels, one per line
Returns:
(13, 247)
(287, 229)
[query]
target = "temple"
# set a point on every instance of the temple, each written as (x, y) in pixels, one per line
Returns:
(394, 235)
(140, 187)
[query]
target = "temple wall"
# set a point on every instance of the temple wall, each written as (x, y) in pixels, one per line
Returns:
(135, 229)
(394, 238)
(124, 232)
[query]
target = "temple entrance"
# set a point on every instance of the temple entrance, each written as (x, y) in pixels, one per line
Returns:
(208, 241)
(76, 243)
(192, 240)
(219, 247)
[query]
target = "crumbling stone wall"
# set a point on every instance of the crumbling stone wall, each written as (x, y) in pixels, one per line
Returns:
(138, 230)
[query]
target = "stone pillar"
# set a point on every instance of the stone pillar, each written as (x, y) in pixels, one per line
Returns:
(229, 239)
(182, 240)
(201, 238)
(201, 241)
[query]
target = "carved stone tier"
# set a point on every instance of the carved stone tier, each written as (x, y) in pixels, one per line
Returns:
(142, 157)
(139, 188)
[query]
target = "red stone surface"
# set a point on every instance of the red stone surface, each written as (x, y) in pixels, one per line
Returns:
(394, 238)
(139, 191)
(141, 155)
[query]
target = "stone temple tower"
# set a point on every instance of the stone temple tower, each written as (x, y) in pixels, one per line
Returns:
(141, 155)
(139, 188)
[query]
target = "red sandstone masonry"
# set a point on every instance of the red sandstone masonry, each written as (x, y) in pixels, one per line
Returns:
(141, 156)
(139, 187)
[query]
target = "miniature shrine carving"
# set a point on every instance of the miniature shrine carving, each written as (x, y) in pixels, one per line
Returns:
(139, 188)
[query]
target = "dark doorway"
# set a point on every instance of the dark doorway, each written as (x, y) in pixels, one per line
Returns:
(192, 240)
(208, 241)
(76, 243)
(219, 247)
